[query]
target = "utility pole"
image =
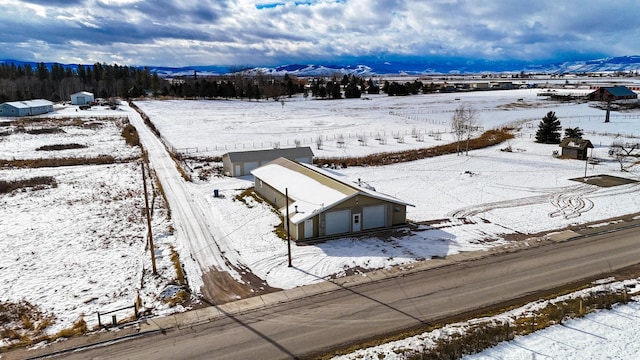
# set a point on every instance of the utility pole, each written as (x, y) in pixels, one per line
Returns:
(149, 233)
(286, 195)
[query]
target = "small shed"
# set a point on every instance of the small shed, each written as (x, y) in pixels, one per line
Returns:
(612, 93)
(573, 148)
(241, 163)
(323, 205)
(82, 98)
(26, 108)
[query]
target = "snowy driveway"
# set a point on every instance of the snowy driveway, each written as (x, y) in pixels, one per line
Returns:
(195, 225)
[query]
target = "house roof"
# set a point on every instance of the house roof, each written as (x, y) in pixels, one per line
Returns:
(574, 143)
(29, 103)
(268, 155)
(311, 189)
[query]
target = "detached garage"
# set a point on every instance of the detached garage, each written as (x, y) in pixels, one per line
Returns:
(82, 98)
(241, 163)
(321, 205)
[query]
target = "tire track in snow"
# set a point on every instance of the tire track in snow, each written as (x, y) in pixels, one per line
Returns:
(569, 202)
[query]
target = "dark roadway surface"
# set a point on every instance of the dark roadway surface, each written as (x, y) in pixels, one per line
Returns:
(312, 325)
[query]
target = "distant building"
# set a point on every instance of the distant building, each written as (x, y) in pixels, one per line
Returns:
(241, 163)
(321, 204)
(612, 93)
(82, 98)
(26, 108)
(573, 148)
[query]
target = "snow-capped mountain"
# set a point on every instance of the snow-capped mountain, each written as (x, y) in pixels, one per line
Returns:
(365, 67)
(421, 67)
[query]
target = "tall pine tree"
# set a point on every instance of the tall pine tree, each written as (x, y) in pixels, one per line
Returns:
(549, 129)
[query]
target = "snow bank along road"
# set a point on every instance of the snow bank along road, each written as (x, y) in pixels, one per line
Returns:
(193, 219)
(350, 314)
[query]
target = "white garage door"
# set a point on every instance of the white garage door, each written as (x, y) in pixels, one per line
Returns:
(373, 216)
(338, 222)
(250, 166)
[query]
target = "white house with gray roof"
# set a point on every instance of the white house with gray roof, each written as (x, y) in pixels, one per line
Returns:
(321, 204)
(242, 162)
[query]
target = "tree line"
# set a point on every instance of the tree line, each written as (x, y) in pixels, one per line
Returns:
(56, 82)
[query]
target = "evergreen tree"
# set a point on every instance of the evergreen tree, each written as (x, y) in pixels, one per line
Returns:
(351, 91)
(575, 133)
(549, 129)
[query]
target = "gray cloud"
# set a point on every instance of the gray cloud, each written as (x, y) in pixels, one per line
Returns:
(172, 32)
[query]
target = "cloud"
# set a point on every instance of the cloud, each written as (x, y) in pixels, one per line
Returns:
(175, 33)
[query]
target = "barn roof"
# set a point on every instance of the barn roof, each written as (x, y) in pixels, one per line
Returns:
(267, 155)
(575, 143)
(311, 188)
(619, 90)
(29, 103)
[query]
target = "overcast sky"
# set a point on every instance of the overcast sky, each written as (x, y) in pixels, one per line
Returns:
(278, 32)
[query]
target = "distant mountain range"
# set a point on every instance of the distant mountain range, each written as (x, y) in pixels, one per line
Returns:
(405, 67)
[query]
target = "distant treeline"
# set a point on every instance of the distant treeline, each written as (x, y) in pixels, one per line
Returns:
(57, 82)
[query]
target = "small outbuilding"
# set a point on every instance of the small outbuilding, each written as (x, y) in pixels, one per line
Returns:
(82, 98)
(241, 163)
(26, 108)
(321, 204)
(573, 148)
(612, 93)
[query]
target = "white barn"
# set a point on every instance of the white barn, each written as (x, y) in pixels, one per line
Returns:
(82, 98)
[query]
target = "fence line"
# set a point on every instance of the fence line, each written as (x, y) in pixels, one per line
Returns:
(381, 136)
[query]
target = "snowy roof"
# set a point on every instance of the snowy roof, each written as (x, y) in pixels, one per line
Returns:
(85, 93)
(267, 155)
(575, 143)
(29, 103)
(311, 189)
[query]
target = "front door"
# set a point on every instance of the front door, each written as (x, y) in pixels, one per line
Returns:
(308, 228)
(356, 222)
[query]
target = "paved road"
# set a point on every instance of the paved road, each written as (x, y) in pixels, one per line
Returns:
(314, 324)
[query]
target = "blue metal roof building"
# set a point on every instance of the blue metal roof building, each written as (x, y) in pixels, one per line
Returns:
(613, 93)
(26, 108)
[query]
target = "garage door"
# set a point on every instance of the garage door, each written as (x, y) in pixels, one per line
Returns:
(338, 222)
(373, 216)
(250, 166)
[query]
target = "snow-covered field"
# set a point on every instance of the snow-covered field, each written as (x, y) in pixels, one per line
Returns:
(78, 247)
(90, 227)
(380, 124)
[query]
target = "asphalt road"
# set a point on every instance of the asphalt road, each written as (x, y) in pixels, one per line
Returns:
(315, 324)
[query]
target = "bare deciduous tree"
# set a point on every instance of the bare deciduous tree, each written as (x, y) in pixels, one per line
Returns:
(463, 124)
(624, 154)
